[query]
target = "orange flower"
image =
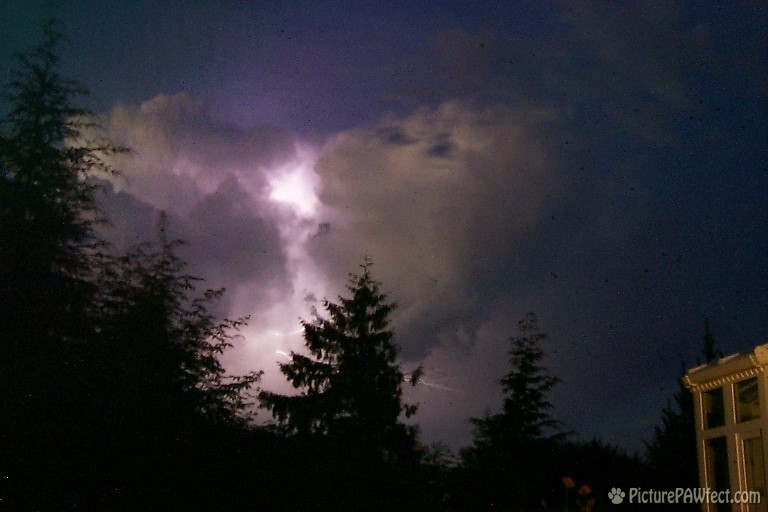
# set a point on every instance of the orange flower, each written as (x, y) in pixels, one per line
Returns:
(585, 490)
(568, 482)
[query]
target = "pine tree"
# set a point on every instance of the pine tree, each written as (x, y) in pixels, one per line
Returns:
(528, 384)
(162, 392)
(49, 150)
(672, 452)
(350, 383)
(525, 415)
(111, 390)
(155, 318)
(48, 154)
(710, 352)
(505, 466)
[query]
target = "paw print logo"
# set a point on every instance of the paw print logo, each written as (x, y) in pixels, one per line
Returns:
(616, 495)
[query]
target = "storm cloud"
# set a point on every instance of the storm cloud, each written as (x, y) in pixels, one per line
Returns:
(210, 180)
(507, 217)
(603, 167)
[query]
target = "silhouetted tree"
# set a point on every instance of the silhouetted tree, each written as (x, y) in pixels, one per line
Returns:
(672, 456)
(438, 467)
(505, 467)
(153, 309)
(47, 209)
(526, 413)
(351, 384)
(167, 389)
(112, 396)
(710, 352)
(672, 453)
(47, 249)
(350, 400)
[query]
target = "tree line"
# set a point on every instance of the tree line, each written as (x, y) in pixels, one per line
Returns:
(113, 397)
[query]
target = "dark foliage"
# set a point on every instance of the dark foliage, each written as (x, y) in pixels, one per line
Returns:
(351, 384)
(155, 321)
(522, 460)
(672, 453)
(47, 219)
(157, 378)
(672, 457)
(593, 468)
(710, 351)
(526, 412)
(507, 465)
(349, 406)
(111, 393)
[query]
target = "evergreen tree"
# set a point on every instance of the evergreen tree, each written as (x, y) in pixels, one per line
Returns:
(47, 220)
(157, 379)
(152, 309)
(506, 465)
(672, 455)
(350, 384)
(710, 352)
(526, 410)
(111, 391)
(47, 209)
(345, 420)
(527, 385)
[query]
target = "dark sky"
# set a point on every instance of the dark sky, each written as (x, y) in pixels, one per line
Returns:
(604, 167)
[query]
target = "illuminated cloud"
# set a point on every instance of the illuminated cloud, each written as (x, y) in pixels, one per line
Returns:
(600, 165)
(244, 202)
(475, 216)
(597, 166)
(436, 199)
(430, 197)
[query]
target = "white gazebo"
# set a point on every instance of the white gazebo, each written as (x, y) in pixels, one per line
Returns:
(731, 405)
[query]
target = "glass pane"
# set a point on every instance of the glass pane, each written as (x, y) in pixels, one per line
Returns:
(747, 401)
(714, 413)
(717, 467)
(754, 468)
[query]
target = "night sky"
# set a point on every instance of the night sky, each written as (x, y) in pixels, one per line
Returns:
(604, 167)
